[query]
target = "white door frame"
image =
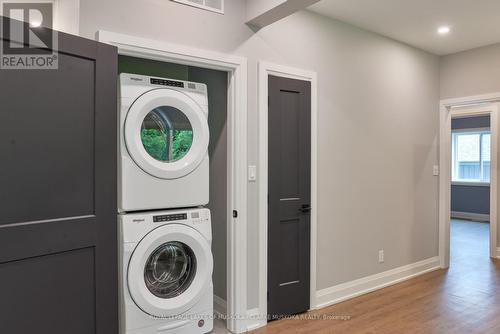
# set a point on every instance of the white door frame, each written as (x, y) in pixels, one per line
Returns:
(265, 70)
(466, 106)
(237, 151)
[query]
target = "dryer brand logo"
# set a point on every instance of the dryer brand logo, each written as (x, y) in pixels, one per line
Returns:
(28, 39)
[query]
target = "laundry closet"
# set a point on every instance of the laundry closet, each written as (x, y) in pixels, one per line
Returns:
(216, 83)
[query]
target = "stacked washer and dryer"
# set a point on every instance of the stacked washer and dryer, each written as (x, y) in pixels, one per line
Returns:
(165, 234)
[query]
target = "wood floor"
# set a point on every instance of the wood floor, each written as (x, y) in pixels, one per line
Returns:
(463, 299)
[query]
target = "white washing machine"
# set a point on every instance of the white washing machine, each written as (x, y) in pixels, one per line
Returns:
(166, 272)
(164, 135)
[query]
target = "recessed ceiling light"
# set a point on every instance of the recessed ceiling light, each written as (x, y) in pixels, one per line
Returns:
(443, 30)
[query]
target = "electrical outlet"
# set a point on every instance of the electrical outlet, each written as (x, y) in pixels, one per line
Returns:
(381, 256)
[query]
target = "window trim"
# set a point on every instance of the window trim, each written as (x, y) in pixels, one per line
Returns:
(470, 183)
(205, 7)
(454, 135)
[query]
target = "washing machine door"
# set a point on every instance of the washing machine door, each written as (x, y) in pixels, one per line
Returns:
(170, 270)
(166, 133)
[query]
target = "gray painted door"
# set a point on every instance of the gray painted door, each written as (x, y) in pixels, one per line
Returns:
(289, 196)
(58, 241)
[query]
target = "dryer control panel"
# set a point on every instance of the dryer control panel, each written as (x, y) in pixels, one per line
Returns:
(166, 82)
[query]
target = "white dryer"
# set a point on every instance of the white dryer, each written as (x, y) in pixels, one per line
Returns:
(166, 272)
(163, 148)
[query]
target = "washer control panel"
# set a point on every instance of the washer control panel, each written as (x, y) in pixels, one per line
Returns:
(135, 226)
(169, 218)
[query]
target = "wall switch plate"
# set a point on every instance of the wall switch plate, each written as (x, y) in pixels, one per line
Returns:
(381, 256)
(252, 173)
(435, 170)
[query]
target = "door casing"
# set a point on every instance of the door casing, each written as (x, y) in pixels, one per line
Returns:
(265, 70)
(466, 106)
(236, 67)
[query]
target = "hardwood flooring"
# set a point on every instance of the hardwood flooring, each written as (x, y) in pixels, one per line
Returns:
(463, 299)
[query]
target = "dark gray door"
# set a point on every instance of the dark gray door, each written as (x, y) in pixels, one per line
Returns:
(289, 196)
(58, 241)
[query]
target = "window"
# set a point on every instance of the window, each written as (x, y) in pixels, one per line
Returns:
(471, 156)
(211, 5)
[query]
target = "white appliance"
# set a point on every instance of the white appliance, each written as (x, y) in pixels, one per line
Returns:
(166, 272)
(163, 144)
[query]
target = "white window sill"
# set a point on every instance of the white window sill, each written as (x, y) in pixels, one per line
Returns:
(470, 183)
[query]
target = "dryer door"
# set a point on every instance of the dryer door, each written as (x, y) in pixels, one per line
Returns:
(169, 271)
(166, 133)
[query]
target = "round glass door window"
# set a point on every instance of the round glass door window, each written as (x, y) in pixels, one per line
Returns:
(166, 134)
(170, 270)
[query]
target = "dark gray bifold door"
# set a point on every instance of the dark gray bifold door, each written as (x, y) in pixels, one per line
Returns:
(289, 196)
(58, 241)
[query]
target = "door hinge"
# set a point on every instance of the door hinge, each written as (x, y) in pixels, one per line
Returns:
(235, 214)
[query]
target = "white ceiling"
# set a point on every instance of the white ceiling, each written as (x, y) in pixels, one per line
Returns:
(473, 23)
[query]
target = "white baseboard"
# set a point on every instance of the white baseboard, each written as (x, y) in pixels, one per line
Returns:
(348, 290)
(255, 319)
(220, 306)
(470, 216)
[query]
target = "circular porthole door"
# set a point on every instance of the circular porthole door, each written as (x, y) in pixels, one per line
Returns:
(166, 133)
(169, 271)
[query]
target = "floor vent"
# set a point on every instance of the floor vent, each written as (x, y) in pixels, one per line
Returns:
(212, 5)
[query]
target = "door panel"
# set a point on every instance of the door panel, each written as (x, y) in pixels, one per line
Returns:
(53, 293)
(50, 151)
(289, 144)
(290, 267)
(289, 196)
(58, 242)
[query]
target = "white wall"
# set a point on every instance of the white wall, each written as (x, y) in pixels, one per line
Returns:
(472, 72)
(378, 125)
(259, 7)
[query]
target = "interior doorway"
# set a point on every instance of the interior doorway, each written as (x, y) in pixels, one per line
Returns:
(470, 187)
(468, 180)
(293, 81)
(235, 149)
(289, 196)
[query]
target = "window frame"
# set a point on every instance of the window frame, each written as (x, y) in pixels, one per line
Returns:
(454, 167)
(205, 7)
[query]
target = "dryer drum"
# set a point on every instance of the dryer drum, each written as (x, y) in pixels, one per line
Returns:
(166, 134)
(170, 270)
